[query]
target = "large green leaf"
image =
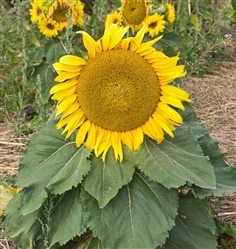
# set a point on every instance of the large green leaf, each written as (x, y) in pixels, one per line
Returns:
(139, 216)
(195, 228)
(225, 175)
(53, 51)
(106, 178)
(176, 161)
(25, 230)
(50, 164)
(67, 218)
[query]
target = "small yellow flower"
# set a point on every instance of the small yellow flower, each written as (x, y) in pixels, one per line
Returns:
(114, 18)
(155, 24)
(171, 12)
(37, 11)
(48, 27)
(119, 93)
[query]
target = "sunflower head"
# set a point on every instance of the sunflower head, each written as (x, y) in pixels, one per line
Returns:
(49, 27)
(155, 24)
(134, 12)
(113, 18)
(37, 11)
(119, 93)
(59, 10)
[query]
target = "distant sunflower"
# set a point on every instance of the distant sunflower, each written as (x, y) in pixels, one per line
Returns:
(119, 93)
(48, 27)
(134, 12)
(37, 11)
(171, 12)
(114, 18)
(155, 24)
(60, 9)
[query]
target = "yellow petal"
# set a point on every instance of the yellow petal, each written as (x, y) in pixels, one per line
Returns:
(72, 60)
(63, 94)
(125, 43)
(169, 112)
(89, 43)
(106, 38)
(63, 86)
(116, 144)
(116, 36)
(66, 75)
(104, 144)
(127, 139)
(66, 68)
(137, 138)
(65, 103)
(146, 45)
(172, 101)
(176, 92)
(82, 133)
(72, 108)
(137, 40)
(91, 139)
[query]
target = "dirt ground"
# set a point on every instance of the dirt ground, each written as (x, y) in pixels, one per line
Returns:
(214, 99)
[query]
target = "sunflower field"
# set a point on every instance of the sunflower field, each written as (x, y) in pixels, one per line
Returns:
(116, 156)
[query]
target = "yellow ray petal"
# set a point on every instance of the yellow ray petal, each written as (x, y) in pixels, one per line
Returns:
(106, 38)
(91, 139)
(89, 43)
(137, 138)
(116, 36)
(66, 75)
(104, 144)
(172, 101)
(77, 124)
(72, 60)
(60, 95)
(66, 68)
(64, 86)
(72, 108)
(164, 124)
(127, 139)
(125, 43)
(116, 144)
(65, 103)
(136, 41)
(82, 133)
(176, 92)
(169, 112)
(146, 45)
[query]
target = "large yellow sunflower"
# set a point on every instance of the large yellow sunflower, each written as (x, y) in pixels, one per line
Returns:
(134, 12)
(155, 24)
(37, 11)
(119, 93)
(60, 9)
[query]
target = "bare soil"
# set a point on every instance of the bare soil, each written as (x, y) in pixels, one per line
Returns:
(213, 98)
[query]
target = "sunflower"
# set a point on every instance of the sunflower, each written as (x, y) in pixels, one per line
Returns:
(114, 18)
(171, 12)
(134, 12)
(119, 93)
(48, 27)
(60, 9)
(155, 24)
(37, 11)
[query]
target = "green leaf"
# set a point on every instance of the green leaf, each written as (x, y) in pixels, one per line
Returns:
(50, 164)
(44, 74)
(106, 178)
(53, 51)
(195, 228)
(206, 15)
(92, 243)
(67, 218)
(225, 175)
(176, 161)
(172, 39)
(194, 20)
(25, 230)
(138, 217)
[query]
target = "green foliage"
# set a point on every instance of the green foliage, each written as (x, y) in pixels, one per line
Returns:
(66, 188)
